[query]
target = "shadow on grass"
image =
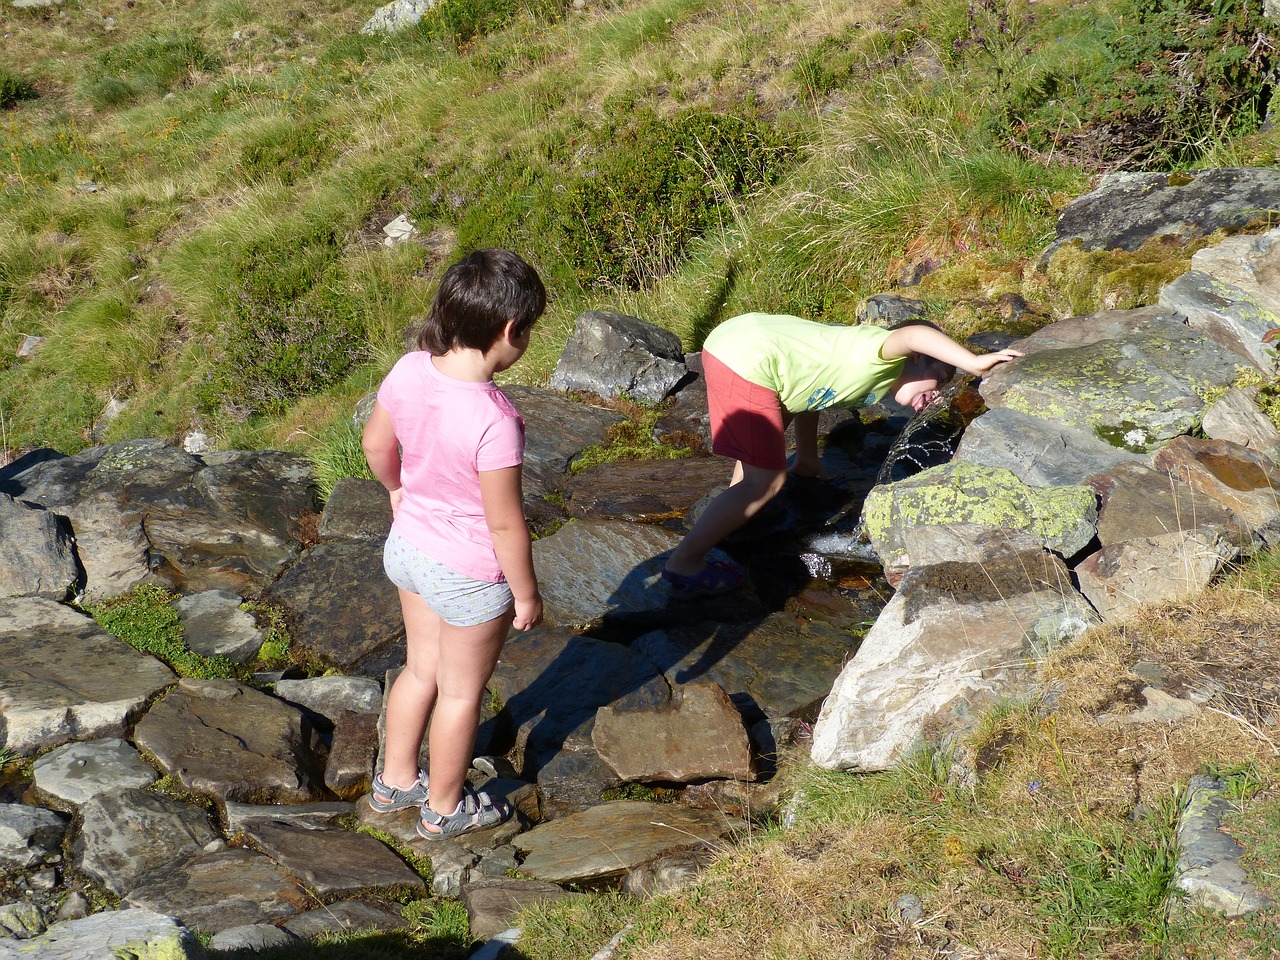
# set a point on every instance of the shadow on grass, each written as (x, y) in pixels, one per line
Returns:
(374, 946)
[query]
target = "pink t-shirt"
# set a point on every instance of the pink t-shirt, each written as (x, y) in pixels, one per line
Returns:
(449, 430)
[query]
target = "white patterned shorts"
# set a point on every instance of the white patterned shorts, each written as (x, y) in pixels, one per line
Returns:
(458, 600)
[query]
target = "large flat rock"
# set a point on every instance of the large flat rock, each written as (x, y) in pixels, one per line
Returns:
(333, 863)
(63, 678)
(227, 740)
(141, 934)
(75, 773)
(605, 843)
(644, 491)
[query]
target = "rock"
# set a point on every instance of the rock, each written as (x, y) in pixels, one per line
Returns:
(75, 906)
(1160, 707)
(63, 678)
(888, 310)
(145, 934)
(331, 696)
(1063, 518)
(667, 874)
(688, 421)
(1135, 390)
(493, 905)
(227, 740)
(644, 491)
(333, 863)
(75, 773)
(611, 354)
(1138, 501)
(397, 15)
(779, 666)
(1039, 452)
(127, 833)
(214, 625)
(910, 908)
(353, 754)
(957, 636)
(344, 608)
(196, 441)
(356, 510)
(398, 230)
(30, 346)
(556, 430)
(1243, 481)
(252, 936)
(1128, 209)
(697, 735)
(36, 554)
(1236, 418)
(1209, 867)
(607, 842)
(550, 684)
(29, 836)
(1231, 293)
(1123, 576)
(325, 815)
(596, 570)
(222, 889)
(142, 510)
(345, 916)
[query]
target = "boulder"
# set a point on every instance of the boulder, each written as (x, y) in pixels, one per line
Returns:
(329, 697)
(227, 740)
(1123, 576)
(63, 678)
(1231, 294)
(324, 815)
(21, 921)
(494, 905)
(397, 15)
(958, 636)
(1126, 210)
(1064, 519)
(36, 554)
(1243, 481)
(697, 735)
(250, 937)
(1236, 418)
(345, 916)
(611, 354)
(1136, 390)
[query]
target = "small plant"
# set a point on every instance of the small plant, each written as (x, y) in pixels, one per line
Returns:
(13, 89)
(145, 619)
(338, 455)
(274, 652)
(631, 439)
(152, 64)
(420, 864)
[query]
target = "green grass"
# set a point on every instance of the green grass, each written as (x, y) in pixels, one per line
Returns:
(145, 619)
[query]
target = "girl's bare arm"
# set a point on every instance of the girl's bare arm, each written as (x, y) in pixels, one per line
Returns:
(501, 494)
(382, 450)
(934, 343)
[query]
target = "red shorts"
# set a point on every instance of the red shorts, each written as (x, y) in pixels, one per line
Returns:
(746, 418)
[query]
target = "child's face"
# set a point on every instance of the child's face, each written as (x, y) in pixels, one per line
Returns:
(916, 392)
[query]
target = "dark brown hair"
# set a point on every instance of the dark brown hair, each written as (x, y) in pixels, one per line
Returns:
(478, 297)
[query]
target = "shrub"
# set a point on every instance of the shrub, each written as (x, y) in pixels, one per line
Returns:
(13, 89)
(152, 64)
(655, 183)
(1173, 78)
(289, 153)
(291, 327)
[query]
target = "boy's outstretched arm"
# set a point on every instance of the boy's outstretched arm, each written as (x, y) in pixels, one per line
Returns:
(934, 343)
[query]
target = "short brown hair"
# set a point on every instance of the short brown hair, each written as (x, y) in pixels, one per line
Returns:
(478, 297)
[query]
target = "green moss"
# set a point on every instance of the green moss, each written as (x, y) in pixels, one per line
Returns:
(632, 439)
(145, 619)
(1082, 281)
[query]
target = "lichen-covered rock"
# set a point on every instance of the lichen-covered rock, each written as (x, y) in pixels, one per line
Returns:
(1236, 418)
(1063, 518)
(138, 934)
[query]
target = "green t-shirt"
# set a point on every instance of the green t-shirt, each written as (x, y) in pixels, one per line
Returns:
(809, 365)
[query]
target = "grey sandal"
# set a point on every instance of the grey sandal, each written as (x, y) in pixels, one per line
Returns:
(475, 811)
(395, 798)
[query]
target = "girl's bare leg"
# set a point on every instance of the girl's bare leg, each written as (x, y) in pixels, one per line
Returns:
(413, 695)
(466, 657)
(750, 490)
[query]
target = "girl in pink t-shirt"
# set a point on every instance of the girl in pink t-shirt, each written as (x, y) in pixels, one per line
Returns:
(448, 446)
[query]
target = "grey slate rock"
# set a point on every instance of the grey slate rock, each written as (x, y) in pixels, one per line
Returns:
(1209, 867)
(397, 15)
(492, 905)
(21, 921)
(610, 354)
(144, 933)
(37, 558)
(1236, 418)
(345, 916)
(330, 696)
(75, 773)
(214, 625)
(251, 936)
(357, 509)
(29, 836)
(325, 815)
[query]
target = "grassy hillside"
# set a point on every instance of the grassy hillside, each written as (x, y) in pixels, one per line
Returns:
(194, 194)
